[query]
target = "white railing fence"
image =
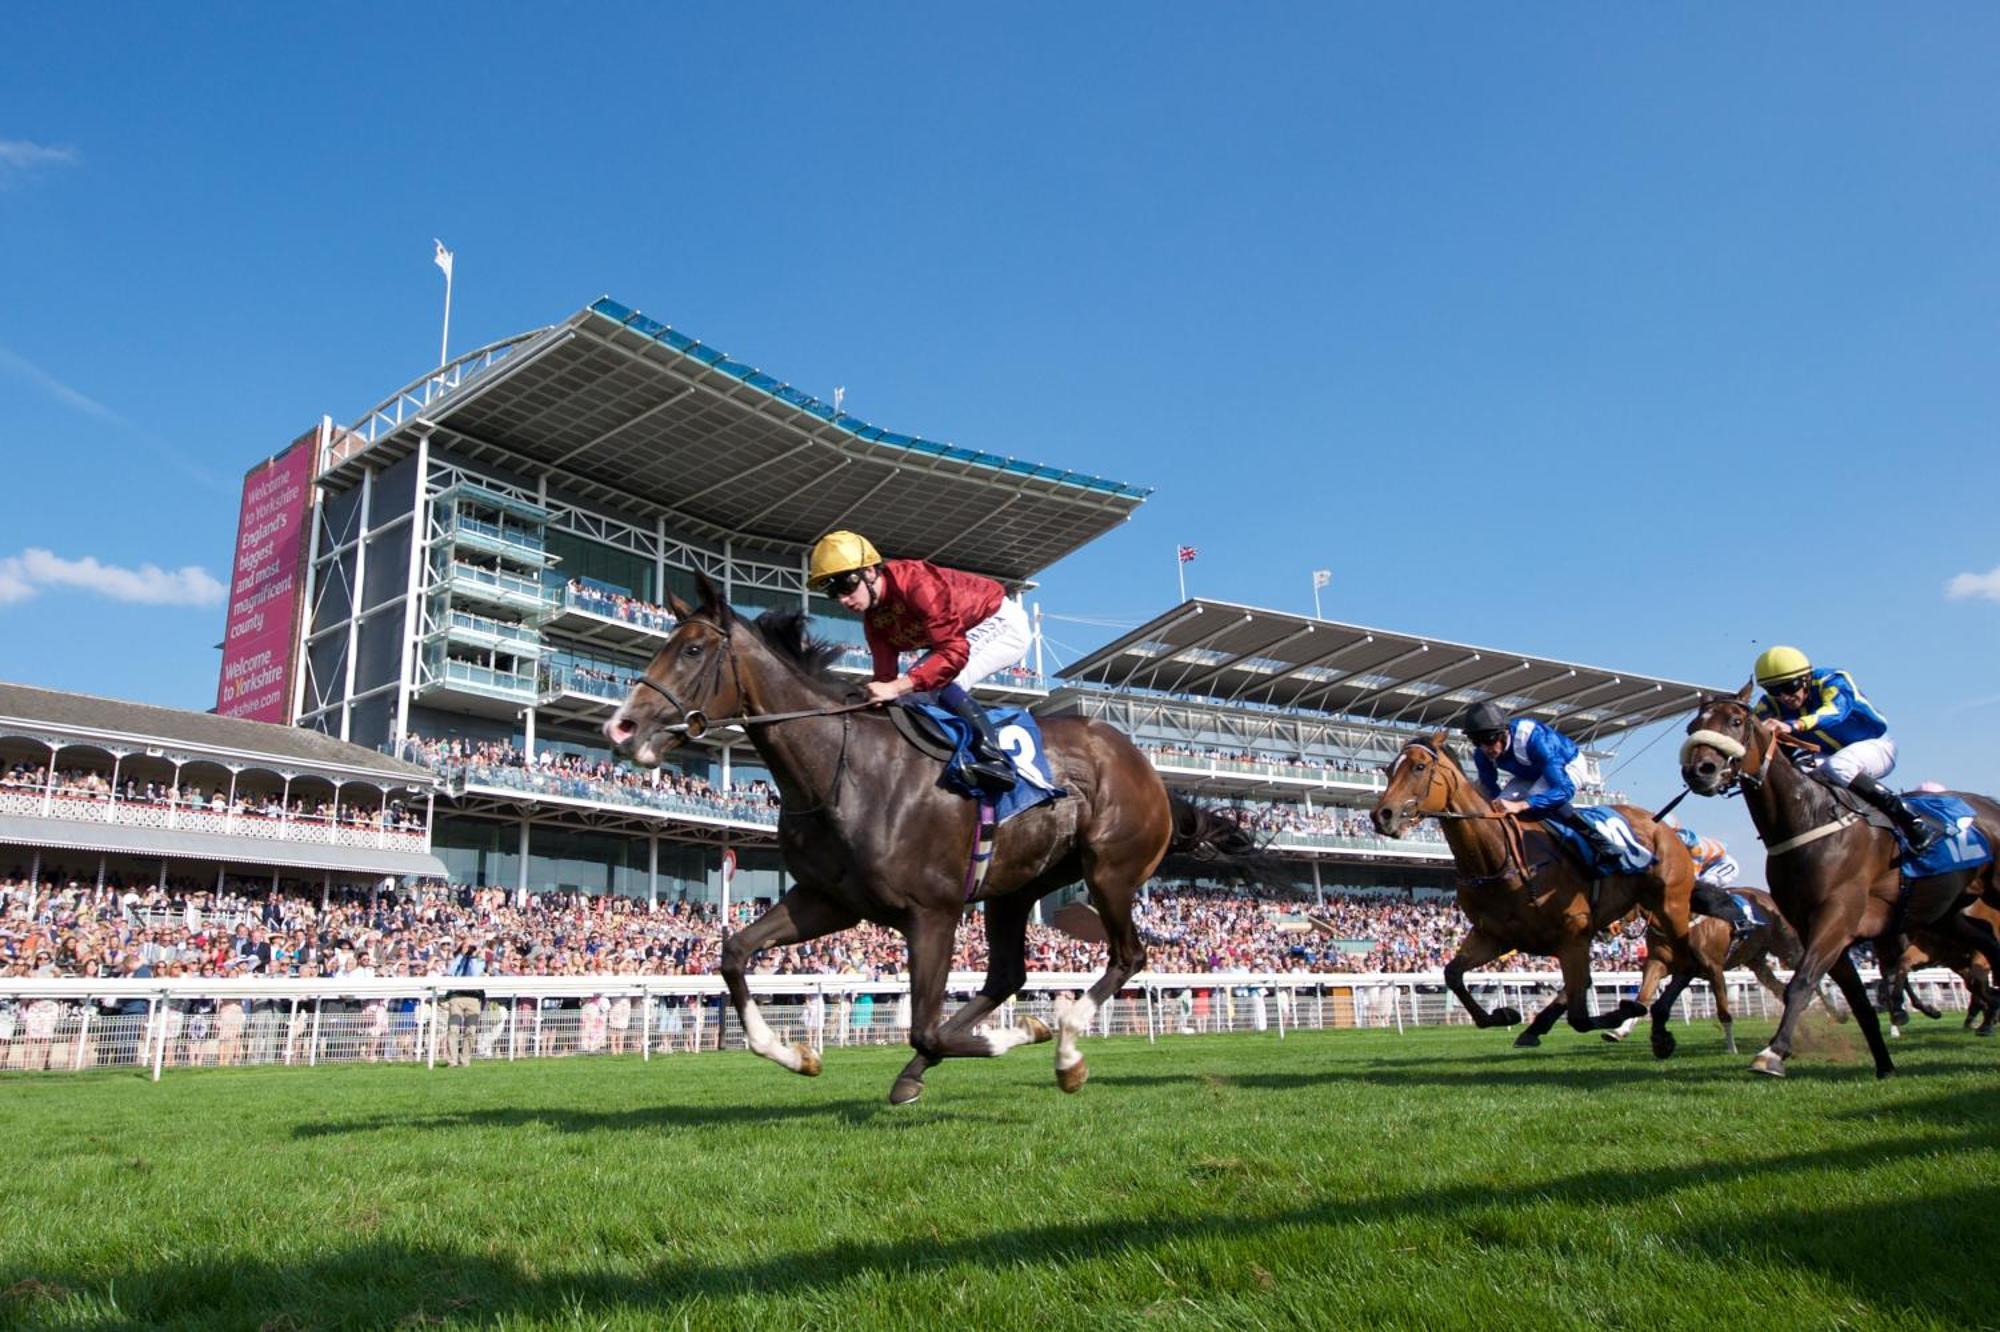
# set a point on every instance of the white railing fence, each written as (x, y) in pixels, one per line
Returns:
(75, 1024)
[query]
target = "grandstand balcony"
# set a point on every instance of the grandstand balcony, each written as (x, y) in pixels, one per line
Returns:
(493, 587)
(502, 540)
(101, 807)
(488, 691)
(1244, 777)
(1339, 846)
(510, 792)
(480, 631)
(576, 694)
(597, 619)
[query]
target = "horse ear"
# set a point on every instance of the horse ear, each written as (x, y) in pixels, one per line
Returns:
(680, 608)
(1438, 737)
(1743, 694)
(710, 601)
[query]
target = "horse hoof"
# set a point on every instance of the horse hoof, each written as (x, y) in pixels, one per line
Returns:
(1663, 1044)
(1614, 1035)
(1884, 1071)
(1038, 1030)
(1770, 1065)
(808, 1059)
(1504, 1017)
(905, 1091)
(1071, 1079)
(1527, 1040)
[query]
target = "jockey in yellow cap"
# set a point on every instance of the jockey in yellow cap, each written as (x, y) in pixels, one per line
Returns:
(1825, 706)
(966, 626)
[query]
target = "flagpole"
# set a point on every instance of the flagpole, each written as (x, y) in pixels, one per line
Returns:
(1180, 569)
(444, 342)
(1316, 614)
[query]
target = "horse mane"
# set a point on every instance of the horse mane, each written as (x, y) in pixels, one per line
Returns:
(785, 633)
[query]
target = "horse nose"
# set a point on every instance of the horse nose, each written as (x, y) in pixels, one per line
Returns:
(620, 730)
(1706, 769)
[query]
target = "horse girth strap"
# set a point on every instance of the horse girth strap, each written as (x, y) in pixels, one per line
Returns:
(1845, 821)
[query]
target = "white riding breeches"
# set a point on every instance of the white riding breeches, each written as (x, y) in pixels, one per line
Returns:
(1721, 874)
(996, 642)
(1864, 758)
(1520, 788)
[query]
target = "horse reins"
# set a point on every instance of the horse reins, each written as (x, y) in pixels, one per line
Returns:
(1510, 828)
(1743, 780)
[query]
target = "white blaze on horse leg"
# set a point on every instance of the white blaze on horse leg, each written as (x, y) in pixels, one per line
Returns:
(999, 1040)
(1072, 1020)
(1624, 1029)
(764, 1041)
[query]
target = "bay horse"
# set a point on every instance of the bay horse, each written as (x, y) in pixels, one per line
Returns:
(1927, 949)
(1833, 873)
(867, 833)
(1528, 895)
(1719, 950)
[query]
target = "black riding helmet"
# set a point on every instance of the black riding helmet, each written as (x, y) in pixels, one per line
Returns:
(1482, 721)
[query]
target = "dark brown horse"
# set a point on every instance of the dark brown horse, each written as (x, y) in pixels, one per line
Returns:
(1532, 898)
(1929, 949)
(1719, 950)
(867, 834)
(1832, 872)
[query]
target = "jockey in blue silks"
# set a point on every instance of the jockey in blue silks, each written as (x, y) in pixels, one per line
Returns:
(1543, 769)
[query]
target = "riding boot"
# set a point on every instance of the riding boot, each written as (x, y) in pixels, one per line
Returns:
(989, 765)
(1919, 833)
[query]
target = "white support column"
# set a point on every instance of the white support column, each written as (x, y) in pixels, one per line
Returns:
(727, 778)
(1040, 673)
(1319, 889)
(521, 887)
(653, 870)
(728, 572)
(315, 530)
(660, 560)
(354, 602)
(528, 733)
(419, 540)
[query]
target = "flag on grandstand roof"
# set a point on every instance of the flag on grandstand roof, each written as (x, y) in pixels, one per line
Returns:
(443, 256)
(1188, 553)
(1321, 577)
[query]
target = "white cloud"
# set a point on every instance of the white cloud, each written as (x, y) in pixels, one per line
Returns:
(19, 156)
(1967, 586)
(35, 570)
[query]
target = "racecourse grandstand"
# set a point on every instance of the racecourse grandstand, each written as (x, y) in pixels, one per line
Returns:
(95, 791)
(492, 552)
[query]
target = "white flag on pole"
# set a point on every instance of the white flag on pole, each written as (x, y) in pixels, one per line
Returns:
(442, 258)
(1321, 577)
(838, 395)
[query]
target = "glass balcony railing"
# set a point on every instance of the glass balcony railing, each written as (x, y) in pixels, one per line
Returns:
(522, 542)
(488, 679)
(582, 680)
(466, 624)
(514, 587)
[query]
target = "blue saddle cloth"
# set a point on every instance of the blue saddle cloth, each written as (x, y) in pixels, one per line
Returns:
(1749, 916)
(1634, 856)
(1021, 736)
(1962, 847)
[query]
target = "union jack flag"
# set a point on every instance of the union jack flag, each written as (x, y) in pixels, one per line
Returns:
(1188, 553)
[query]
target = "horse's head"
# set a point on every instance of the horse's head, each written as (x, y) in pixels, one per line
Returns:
(1724, 742)
(690, 679)
(1422, 781)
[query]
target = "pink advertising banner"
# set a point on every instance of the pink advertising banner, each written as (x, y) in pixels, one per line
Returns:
(265, 587)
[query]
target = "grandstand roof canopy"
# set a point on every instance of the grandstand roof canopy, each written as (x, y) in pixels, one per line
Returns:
(623, 409)
(1241, 655)
(137, 727)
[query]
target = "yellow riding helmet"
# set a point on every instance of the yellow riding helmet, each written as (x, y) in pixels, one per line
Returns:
(837, 553)
(1779, 664)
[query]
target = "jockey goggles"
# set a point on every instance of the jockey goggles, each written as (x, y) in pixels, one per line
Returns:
(841, 584)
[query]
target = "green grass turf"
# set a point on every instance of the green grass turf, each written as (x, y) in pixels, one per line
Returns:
(1342, 1179)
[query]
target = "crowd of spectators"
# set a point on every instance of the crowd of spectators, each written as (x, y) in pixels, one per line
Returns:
(554, 771)
(69, 928)
(615, 605)
(96, 787)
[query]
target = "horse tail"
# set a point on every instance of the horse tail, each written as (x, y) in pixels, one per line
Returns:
(1209, 843)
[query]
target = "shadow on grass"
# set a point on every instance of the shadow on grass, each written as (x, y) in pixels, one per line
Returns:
(570, 1119)
(1941, 1270)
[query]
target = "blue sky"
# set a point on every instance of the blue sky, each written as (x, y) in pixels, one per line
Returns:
(1639, 335)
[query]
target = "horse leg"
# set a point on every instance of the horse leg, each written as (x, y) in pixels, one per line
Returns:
(1681, 961)
(1006, 972)
(801, 914)
(1718, 981)
(1113, 886)
(1917, 1000)
(1574, 956)
(1544, 1021)
(1476, 949)
(1850, 983)
(1817, 958)
(1649, 984)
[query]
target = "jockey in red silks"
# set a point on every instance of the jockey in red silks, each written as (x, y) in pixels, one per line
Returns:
(964, 624)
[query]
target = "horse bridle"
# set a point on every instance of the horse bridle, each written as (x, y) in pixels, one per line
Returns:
(1516, 864)
(1735, 750)
(694, 723)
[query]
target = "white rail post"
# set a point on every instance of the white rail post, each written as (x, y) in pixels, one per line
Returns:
(1396, 1003)
(291, 1030)
(1278, 996)
(646, 1024)
(431, 1032)
(156, 1018)
(312, 1046)
(1152, 1033)
(82, 1035)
